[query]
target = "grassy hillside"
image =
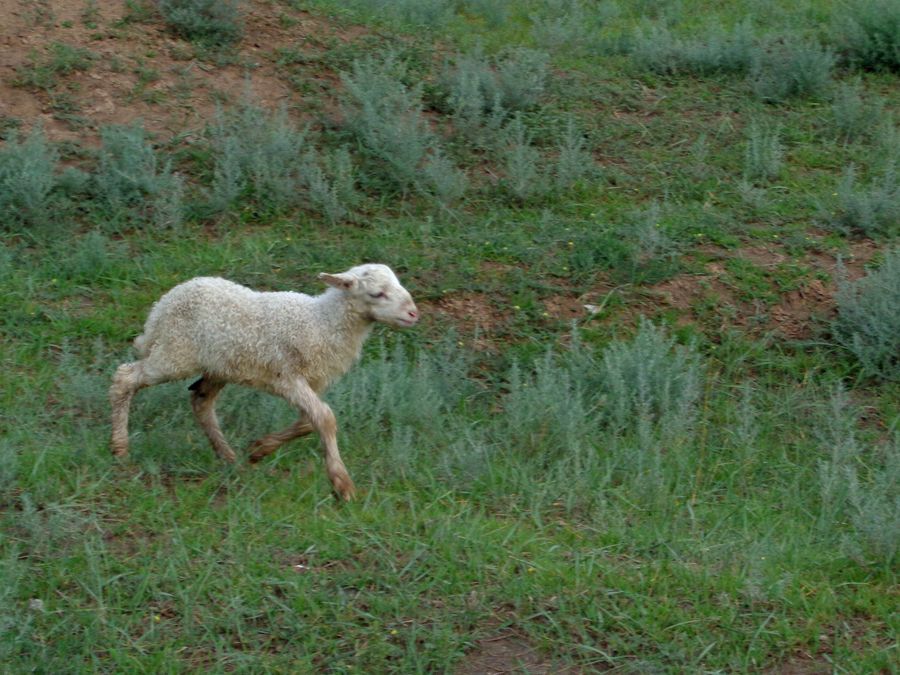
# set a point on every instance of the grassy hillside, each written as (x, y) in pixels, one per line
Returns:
(648, 422)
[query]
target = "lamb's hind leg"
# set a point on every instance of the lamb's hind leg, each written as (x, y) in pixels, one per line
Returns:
(268, 444)
(203, 400)
(128, 379)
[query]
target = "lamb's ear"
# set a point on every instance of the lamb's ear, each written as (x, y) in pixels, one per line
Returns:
(344, 280)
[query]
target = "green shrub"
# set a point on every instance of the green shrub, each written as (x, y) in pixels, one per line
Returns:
(859, 487)
(868, 323)
(482, 92)
(331, 184)
(569, 25)
(210, 22)
(27, 179)
(657, 49)
(650, 384)
(257, 156)
(443, 179)
(873, 210)
(763, 152)
(791, 68)
(386, 118)
(573, 160)
(868, 33)
(522, 178)
(852, 116)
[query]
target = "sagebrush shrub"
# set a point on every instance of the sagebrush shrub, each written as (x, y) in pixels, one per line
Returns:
(868, 32)
(331, 184)
(651, 385)
(858, 486)
(523, 177)
(257, 156)
(574, 160)
(656, 48)
(873, 210)
(385, 115)
(853, 117)
(868, 321)
(566, 24)
(443, 179)
(27, 179)
(128, 170)
(481, 93)
(790, 69)
(763, 152)
(211, 22)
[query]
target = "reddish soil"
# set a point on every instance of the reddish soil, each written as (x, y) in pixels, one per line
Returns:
(141, 71)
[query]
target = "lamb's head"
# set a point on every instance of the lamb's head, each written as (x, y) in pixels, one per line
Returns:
(376, 294)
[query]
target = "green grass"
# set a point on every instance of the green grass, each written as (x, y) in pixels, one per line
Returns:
(690, 494)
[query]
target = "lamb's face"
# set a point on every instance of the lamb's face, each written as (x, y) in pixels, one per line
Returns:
(377, 293)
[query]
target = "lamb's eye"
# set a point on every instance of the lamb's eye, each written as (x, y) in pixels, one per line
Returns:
(378, 295)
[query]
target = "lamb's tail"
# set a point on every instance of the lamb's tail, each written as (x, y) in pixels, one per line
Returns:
(141, 345)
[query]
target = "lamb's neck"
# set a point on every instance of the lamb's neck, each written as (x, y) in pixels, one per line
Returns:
(336, 314)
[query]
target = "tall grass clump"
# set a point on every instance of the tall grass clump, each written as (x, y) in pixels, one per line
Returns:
(27, 179)
(213, 23)
(385, 116)
(868, 34)
(655, 48)
(763, 152)
(651, 385)
(853, 117)
(868, 323)
(872, 210)
(791, 68)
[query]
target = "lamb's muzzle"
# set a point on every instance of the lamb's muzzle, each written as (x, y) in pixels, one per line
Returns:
(289, 344)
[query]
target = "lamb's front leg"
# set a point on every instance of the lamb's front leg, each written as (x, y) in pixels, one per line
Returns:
(300, 394)
(262, 447)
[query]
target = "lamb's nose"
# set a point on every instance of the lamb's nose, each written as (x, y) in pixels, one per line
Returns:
(413, 314)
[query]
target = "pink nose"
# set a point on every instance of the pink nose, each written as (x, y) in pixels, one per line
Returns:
(413, 314)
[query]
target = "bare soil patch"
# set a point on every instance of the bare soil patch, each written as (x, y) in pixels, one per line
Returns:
(508, 653)
(140, 71)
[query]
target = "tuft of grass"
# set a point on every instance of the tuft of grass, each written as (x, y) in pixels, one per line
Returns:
(868, 323)
(212, 23)
(791, 68)
(868, 33)
(61, 59)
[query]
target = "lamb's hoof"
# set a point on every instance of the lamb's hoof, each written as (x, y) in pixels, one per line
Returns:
(257, 455)
(344, 489)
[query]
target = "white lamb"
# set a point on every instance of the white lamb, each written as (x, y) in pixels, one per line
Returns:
(289, 344)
